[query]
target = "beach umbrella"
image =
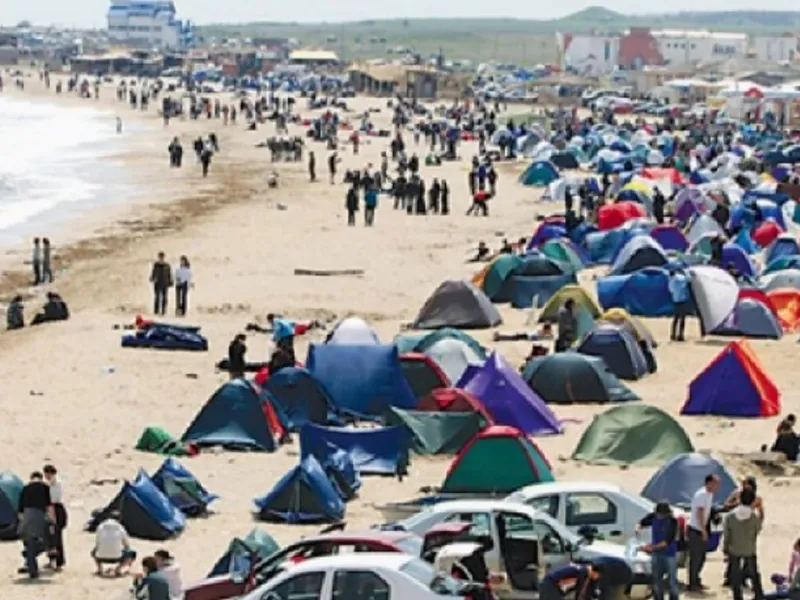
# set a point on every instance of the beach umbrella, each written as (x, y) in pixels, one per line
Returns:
(715, 294)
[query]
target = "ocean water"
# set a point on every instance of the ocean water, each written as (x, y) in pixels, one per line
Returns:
(52, 159)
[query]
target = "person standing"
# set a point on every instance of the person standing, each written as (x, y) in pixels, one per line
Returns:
(171, 570)
(333, 159)
(312, 167)
(161, 278)
(663, 549)
(697, 530)
(183, 281)
(567, 326)
(445, 199)
(47, 261)
(682, 303)
(34, 502)
(740, 544)
(36, 261)
(236, 356)
(351, 204)
(370, 204)
(58, 518)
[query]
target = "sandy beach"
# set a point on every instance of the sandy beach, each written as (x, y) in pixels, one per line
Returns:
(72, 396)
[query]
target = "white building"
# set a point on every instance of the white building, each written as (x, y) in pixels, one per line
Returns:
(592, 55)
(147, 23)
(683, 47)
(775, 48)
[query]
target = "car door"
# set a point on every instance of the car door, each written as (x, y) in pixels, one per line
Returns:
(549, 504)
(520, 552)
(360, 585)
(554, 551)
(303, 586)
(481, 530)
(596, 510)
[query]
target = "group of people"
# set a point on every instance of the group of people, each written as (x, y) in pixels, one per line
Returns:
(42, 520)
(54, 309)
(161, 277)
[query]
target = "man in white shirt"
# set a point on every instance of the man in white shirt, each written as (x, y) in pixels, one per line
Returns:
(171, 570)
(697, 530)
(112, 545)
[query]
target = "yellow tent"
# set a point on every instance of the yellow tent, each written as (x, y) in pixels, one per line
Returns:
(550, 310)
(621, 317)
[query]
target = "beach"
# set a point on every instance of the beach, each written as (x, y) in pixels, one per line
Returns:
(72, 396)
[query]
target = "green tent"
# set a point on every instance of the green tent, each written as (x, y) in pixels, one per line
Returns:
(634, 434)
(10, 490)
(499, 460)
(241, 553)
(560, 250)
(496, 284)
(420, 342)
(568, 377)
(158, 441)
(438, 432)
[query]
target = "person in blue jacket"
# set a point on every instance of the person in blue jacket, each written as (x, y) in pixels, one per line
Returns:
(682, 302)
(580, 579)
(283, 331)
(663, 550)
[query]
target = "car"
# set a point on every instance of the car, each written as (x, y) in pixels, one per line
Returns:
(522, 543)
(371, 576)
(338, 542)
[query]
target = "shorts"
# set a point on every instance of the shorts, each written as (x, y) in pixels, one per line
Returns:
(127, 556)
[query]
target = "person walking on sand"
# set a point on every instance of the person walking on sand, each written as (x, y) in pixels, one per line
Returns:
(740, 544)
(183, 281)
(161, 278)
(312, 167)
(58, 518)
(47, 261)
(36, 261)
(34, 502)
(119, 125)
(370, 204)
(333, 159)
(351, 204)
(205, 158)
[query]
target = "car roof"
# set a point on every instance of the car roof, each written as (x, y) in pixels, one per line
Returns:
(362, 560)
(386, 537)
(480, 504)
(558, 487)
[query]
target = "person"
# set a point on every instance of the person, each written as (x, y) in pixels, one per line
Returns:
(561, 581)
(445, 199)
(480, 204)
(481, 253)
(567, 326)
(370, 204)
(205, 158)
(183, 280)
(659, 202)
(740, 542)
(351, 204)
(748, 483)
(312, 167)
(236, 356)
(663, 549)
(786, 442)
(47, 261)
(36, 261)
(175, 153)
(112, 545)
(15, 314)
(161, 278)
(172, 573)
(151, 584)
(794, 561)
(283, 331)
(58, 518)
(333, 159)
(34, 502)
(682, 302)
(119, 125)
(717, 244)
(55, 309)
(697, 530)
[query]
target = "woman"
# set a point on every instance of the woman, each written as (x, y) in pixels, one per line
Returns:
(58, 518)
(183, 280)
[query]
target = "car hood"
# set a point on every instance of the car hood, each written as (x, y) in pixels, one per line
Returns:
(600, 548)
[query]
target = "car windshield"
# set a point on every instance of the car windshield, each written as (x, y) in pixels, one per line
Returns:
(414, 521)
(438, 583)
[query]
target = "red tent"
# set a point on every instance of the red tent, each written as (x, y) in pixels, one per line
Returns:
(612, 216)
(766, 233)
(673, 175)
(453, 400)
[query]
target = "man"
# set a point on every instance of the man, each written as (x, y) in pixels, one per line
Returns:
(161, 278)
(731, 502)
(740, 541)
(567, 326)
(169, 567)
(283, 331)
(312, 167)
(664, 549)
(36, 261)
(112, 545)
(236, 357)
(34, 502)
(370, 204)
(351, 204)
(152, 584)
(58, 518)
(697, 530)
(682, 301)
(580, 579)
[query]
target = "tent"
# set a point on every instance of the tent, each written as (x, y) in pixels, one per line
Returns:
(766, 233)
(611, 216)
(568, 377)
(374, 451)
(457, 304)
(303, 495)
(622, 318)
(670, 237)
(237, 416)
(639, 253)
(644, 293)
(715, 294)
(159, 441)
(10, 490)
(475, 469)
(736, 256)
(432, 433)
(545, 232)
(508, 399)
(785, 245)
(582, 299)
(453, 400)
(146, 512)
(527, 291)
(564, 251)
(494, 278)
(786, 302)
(790, 278)
(353, 331)
(734, 384)
(361, 380)
(422, 341)
(300, 397)
(618, 349)
(182, 488)
(752, 319)
(453, 356)
(703, 227)
(677, 481)
(633, 434)
(422, 374)
(782, 263)
(539, 173)
(242, 553)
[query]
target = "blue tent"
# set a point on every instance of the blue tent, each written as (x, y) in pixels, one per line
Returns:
(677, 481)
(544, 233)
(736, 256)
(642, 294)
(540, 172)
(752, 319)
(146, 512)
(670, 238)
(374, 451)
(525, 289)
(303, 495)
(182, 488)
(639, 252)
(341, 469)
(603, 247)
(784, 245)
(361, 380)
(10, 489)
(235, 417)
(618, 348)
(300, 397)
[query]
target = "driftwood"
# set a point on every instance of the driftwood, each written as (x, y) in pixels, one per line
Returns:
(329, 272)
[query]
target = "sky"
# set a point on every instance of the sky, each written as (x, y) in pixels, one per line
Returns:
(92, 13)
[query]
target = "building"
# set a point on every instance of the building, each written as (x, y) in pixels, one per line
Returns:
(415, 81)
(686, 47)
(775, 48)
(314, 58)
(147, 23)
(638, 48)
(591, 55)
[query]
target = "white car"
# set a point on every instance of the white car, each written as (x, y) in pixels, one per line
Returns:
(367, 576)
(524, 543)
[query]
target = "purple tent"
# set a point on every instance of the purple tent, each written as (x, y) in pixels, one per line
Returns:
(507, 398)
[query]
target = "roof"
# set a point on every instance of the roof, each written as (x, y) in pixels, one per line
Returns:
(560, 487)
(360, 561)
(311, 55)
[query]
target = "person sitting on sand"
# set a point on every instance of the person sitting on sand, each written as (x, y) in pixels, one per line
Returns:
(171, 571)
(787, 443)
(15, 314)
(481, 254)
(112, 546)
(152, 584)
(55, 309)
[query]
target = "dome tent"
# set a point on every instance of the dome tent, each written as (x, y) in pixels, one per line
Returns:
(354, 331)
(582, 299)
(539, 173)
(677, 481)
(751, 319)
(639, 253)
(458, 304)
(453, 356)
(618, 349)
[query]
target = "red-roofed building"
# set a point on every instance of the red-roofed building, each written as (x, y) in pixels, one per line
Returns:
(638, 48)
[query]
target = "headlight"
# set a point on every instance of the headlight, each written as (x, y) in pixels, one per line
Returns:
(641, 568)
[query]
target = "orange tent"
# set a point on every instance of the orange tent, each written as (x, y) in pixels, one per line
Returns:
(787, 306)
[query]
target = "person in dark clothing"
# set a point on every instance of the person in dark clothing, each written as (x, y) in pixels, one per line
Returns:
(491, 177)
(58, 518)
(55, 309)
(333, 160)
(663, 549)
(236, 356)
(312, 167)
(420, 200)
(721, 214)
(34, 503)
(717, 243)
(15, 314)
(433, 196)
(567, 326)
(205, 160)
(280, 359)
(659, 201)
(472, 180)
(568, 202)
(445, 199)
(161, 278)
(786, 442)
(175, 153)
(351, 204)
(563, 581)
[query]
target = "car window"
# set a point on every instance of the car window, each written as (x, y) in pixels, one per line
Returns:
(548, 537)
(546, 504)
(516, 523)
(360, 585)
(590, 509)
(439, 583)
(306, 586)
(481, 522)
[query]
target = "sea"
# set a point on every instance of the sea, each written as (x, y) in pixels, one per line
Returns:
(54, 161)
